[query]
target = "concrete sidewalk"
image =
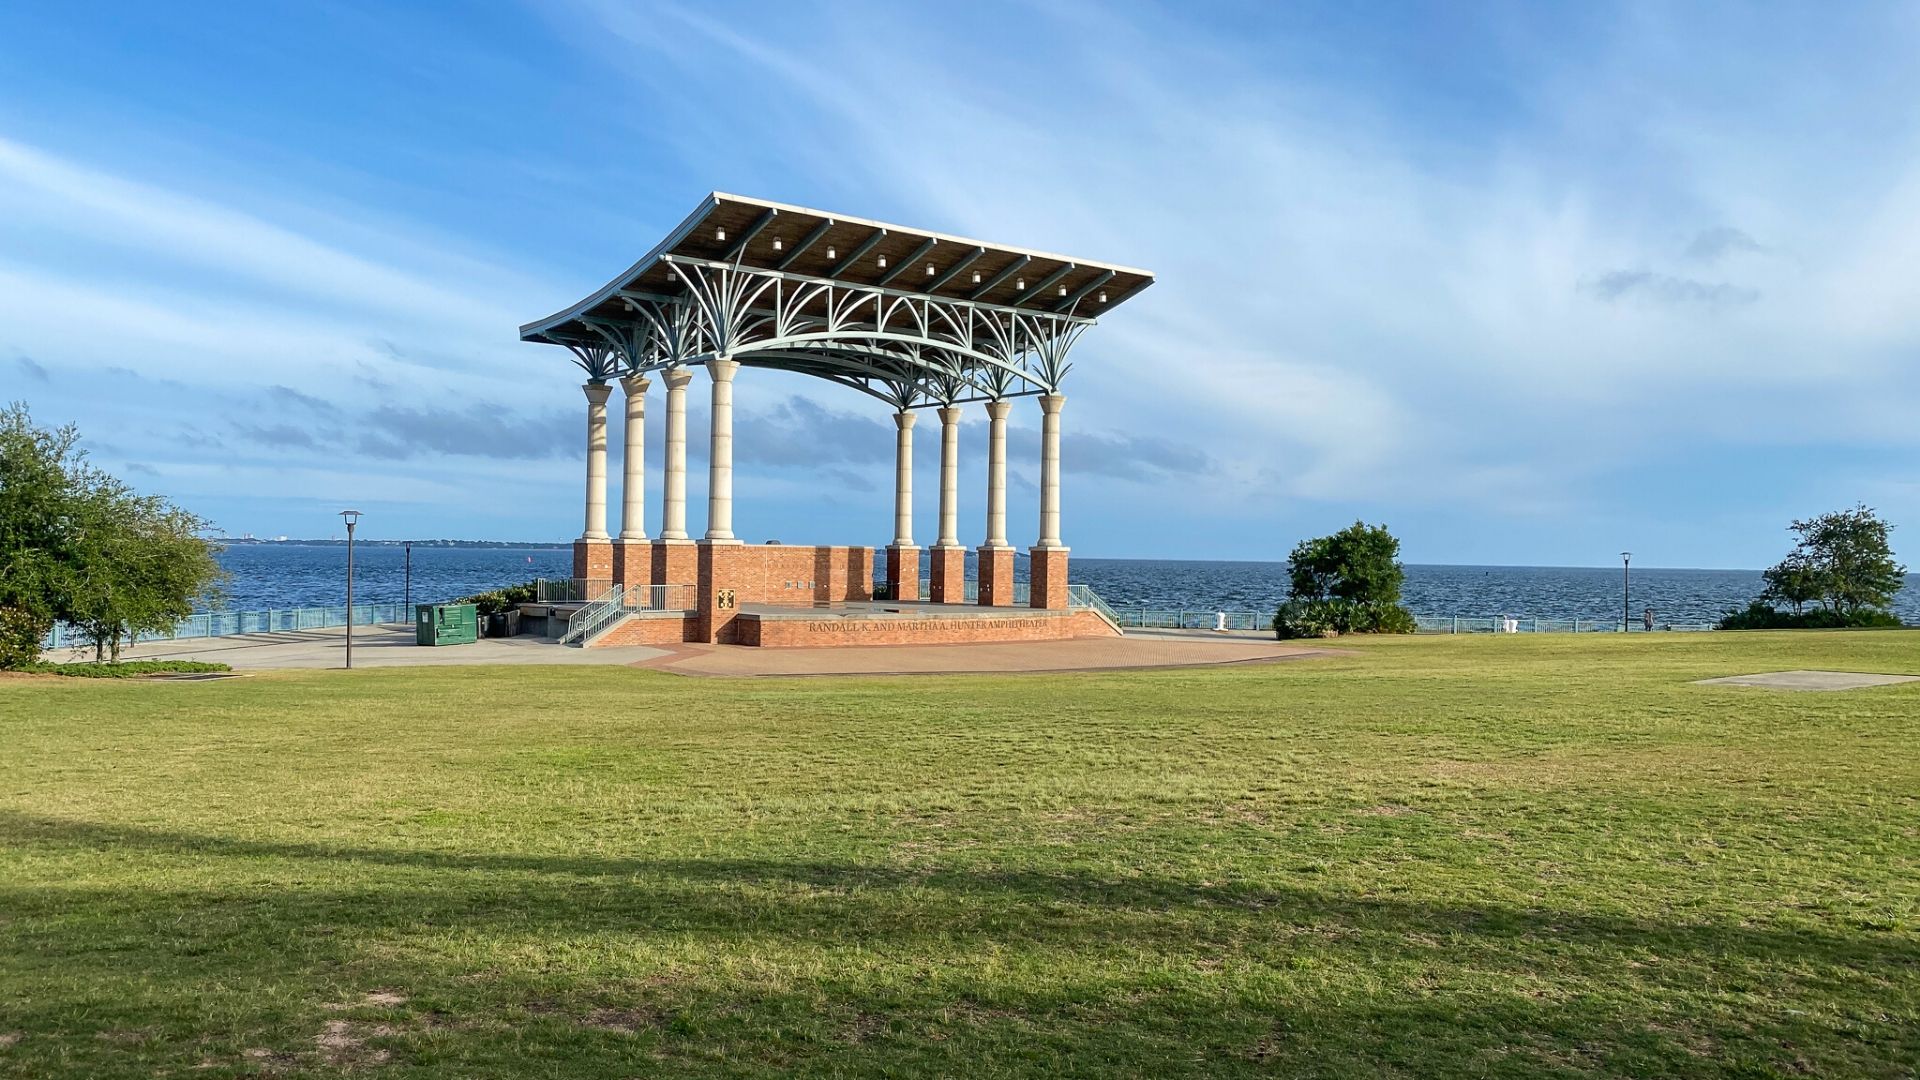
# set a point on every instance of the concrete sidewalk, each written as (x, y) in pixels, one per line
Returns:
(389, 645)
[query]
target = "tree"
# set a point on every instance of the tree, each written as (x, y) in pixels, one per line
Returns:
(1345, 583)
(35, 486)
(1850, 560)
(1843, 562)
(78, 546)
(1793, 580)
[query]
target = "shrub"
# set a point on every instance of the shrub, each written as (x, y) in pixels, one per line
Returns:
(1330, 618)
(500, 599)
(127, 669)
(1759, 615)
(21, 632)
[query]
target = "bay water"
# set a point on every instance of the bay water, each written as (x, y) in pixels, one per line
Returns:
(285, 575)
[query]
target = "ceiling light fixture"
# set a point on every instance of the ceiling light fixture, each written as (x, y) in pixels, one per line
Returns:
(1103, 296)
(883, 262)
(776, 243)
(719, 234)
(830, 253)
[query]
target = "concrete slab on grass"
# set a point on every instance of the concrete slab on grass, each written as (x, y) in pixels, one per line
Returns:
(1810, 680)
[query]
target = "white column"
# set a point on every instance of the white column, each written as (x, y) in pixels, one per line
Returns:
(1050, 405)
(720, 451)
(673, 512)
(597, 394)
(633, 459)
(949, 477)
(903, 481)
(997, 473)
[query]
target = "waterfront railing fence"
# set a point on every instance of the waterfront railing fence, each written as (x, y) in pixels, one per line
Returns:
(1214, 619)
(208, 624)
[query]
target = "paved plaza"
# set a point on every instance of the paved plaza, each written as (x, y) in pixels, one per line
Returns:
(373, 646)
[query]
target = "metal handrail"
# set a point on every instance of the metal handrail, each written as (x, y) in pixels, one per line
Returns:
(1083, 597)
(595, 616)
(620, 601)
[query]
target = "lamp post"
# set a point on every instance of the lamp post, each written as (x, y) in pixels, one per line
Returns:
(352, 518)
(406, 604)
(1626, 593)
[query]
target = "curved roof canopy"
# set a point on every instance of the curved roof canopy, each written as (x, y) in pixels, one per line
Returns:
(908, 315)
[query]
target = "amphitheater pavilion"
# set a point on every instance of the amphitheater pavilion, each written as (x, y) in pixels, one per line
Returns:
(917, 319)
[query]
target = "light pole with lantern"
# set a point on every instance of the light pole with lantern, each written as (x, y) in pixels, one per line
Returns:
(1626, 593)
(352, 518)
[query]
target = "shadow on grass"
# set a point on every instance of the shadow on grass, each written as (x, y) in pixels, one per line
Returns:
(1452, 983)
(831, 888)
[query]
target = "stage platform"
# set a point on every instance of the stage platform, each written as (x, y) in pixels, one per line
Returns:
(853, 622)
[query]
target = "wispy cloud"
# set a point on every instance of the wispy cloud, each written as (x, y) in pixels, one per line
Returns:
(1645, 285)
(1490, 295)
(1717, 243)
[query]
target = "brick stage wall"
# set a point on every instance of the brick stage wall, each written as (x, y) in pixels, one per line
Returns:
(798, 575)
(1014, 626)
(647, 631)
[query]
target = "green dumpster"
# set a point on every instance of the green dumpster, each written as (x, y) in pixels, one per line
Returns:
(446, 624)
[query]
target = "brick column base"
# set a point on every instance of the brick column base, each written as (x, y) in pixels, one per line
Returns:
(718, 602)
(593, 566)
(949, 585)
(903, 572)
(996, 577)
(673, 563)
(1049, 572)
(633, 562)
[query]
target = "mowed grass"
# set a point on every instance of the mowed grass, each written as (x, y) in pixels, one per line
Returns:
(1439, 857)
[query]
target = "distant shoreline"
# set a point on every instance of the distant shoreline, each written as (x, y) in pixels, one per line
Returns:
(515, 545)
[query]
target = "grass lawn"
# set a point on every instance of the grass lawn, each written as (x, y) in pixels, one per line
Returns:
(1441, 857)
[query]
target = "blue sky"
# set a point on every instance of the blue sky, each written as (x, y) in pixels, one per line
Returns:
(1528, 283)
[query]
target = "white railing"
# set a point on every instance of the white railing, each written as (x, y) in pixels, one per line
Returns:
(208, 624)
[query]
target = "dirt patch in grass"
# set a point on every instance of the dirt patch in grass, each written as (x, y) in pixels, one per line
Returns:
(343, 1044)
(379, 999)
(624, 1021)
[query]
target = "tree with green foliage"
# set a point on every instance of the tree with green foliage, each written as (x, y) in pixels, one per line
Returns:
(1793, 580)
(80, 547)
(1843, 562)
(1347, 583)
